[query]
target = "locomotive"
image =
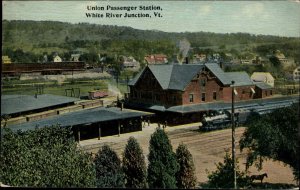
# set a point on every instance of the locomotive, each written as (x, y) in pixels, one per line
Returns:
(222, 119)
(215, 120)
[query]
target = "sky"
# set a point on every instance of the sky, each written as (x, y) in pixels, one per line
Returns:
(279, 18)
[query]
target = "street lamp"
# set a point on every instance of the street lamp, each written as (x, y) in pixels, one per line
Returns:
(233, 135)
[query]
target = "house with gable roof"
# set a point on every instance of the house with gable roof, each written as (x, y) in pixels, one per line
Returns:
(185, 92)
(173, 85)
(265, 77)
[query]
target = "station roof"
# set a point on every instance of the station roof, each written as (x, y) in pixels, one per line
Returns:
(11, 104)
(83, 117)
(240, 78)
(171, 76)
(263, 85)
(220, 105)
(177, 77)
(249, 104)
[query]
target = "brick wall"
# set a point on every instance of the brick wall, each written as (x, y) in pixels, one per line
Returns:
(244, 93)
(260, 93)
(148, 90)
(212, 89)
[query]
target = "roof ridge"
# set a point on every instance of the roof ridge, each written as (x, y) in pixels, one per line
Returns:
(171, 75)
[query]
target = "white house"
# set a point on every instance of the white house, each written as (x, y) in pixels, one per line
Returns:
(75, 57)
(296, 74)
(57, 59)
(265, 77)
(130, 63)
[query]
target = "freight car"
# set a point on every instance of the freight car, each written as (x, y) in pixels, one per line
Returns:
(15, 69)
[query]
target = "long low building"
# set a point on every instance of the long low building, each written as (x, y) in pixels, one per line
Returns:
(192, 113)
(16, 105)
(92, 123)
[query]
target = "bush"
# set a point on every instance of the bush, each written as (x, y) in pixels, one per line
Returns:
(162, 162)
(45, 157)
(108, 168)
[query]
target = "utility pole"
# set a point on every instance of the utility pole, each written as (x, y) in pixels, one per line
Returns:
(233, 135)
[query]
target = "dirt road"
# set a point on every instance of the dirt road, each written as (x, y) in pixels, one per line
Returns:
(207, 149)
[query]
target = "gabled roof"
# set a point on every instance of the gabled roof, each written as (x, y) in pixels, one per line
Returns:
(162, 74)
(218, 72)
(136, 78)
(182, 75)
(177, 77)
(240, 78)
(173, 77)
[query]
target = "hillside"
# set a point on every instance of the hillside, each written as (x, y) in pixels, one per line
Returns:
(38, 37)
(31, 33)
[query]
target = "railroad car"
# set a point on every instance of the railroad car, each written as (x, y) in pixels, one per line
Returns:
(16, 69)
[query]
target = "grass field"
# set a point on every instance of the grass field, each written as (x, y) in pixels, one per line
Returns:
(52, 87)
(29, 87)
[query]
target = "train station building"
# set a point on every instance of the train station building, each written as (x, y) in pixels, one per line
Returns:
(183, 93)
(87, 119)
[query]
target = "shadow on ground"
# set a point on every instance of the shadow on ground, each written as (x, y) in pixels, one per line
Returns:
(257, 186)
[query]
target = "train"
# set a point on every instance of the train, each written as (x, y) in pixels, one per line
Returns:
(15, 69)
(221, 119)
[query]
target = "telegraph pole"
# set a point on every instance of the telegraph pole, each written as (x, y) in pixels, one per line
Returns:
(233, 135)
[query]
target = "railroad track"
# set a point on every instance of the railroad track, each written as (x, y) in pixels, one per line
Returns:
(198, 141)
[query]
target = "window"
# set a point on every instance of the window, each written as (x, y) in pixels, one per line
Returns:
(271, 92)
(243, 92)
(215, 95)
(203, 97)
(203, 82)
(191, 97)
(266, 93)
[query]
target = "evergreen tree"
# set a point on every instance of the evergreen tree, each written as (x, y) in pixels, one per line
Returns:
(134, 165)
(185, 177)
(162, 162)
(109, 172)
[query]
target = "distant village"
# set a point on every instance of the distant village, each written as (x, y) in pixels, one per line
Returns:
(289, 65)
